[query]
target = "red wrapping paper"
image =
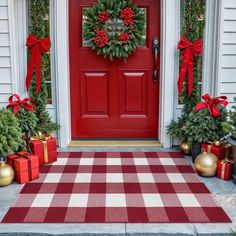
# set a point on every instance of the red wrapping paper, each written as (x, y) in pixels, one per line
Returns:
(220, 151)
(225, 169)
(26, 168)
(37, 148)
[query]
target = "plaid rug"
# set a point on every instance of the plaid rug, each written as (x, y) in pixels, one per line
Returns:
(116, 187)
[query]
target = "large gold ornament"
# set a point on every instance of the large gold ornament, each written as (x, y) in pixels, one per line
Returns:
(185, 147)
(206, 164)
(6, 174)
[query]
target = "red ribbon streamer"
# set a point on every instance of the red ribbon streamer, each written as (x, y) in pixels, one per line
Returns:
(37, 48)
(189, 51)
(16, 103)
(211, 104)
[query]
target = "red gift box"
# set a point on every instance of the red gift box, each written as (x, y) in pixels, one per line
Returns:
(225, 169)
(25, 165)
(222, 151)
(46, 149)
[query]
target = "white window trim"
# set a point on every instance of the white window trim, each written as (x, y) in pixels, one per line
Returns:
(62, 71)
(169, 40)
(214, 26)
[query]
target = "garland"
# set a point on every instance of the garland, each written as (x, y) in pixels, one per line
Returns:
(114, 28)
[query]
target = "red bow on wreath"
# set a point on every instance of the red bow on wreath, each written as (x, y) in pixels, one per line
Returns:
(17, 103)
(37, 48)
(211, 104)
(189, 51)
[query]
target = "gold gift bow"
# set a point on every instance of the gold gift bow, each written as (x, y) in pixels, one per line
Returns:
(44, 139)
(223, 143)
(224, 162)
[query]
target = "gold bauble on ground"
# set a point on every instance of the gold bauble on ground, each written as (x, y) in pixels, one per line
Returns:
(6, 174)
(185, 147)
(206, 164)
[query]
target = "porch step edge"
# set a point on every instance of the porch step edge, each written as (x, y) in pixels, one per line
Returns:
(115, 143)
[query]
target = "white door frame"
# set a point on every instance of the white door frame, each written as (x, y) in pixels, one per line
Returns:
(168, 44)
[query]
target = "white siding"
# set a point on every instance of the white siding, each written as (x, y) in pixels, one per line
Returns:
(5, 55)
(228, 53)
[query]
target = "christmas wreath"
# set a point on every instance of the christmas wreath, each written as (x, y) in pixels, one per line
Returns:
(114, 28)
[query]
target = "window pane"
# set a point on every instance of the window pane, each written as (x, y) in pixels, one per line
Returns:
(114, 26)
(49, 91)
(39, 25)
(192, 26)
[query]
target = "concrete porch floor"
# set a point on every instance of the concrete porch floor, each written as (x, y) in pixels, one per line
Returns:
(224, 192)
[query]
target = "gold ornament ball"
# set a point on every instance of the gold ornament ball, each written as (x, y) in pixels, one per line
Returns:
(185, 147)
(6, 174)
(217, 143)
(206, 164)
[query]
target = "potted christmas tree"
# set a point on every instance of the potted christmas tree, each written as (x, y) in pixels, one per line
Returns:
(230, 127)
(201, 127)
(10, 133)
(25, 114)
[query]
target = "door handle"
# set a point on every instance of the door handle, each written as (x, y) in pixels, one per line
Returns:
(155, 50)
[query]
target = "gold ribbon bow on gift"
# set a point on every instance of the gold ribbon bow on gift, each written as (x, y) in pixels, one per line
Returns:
(44, 138)
(219, 143)
(224, 162)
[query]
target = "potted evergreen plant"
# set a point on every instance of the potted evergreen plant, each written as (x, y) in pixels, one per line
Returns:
(201, 127)
(11, 139)
(230, 128)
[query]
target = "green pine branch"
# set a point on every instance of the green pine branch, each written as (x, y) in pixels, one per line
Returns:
(10, 133)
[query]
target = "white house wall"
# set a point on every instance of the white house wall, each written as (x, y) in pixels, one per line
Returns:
(227, 78)
(5, 54)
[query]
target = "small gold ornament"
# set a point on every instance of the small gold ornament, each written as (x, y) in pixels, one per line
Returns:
(185, 147)
(6, 173)
(206, 164)
(217, 143)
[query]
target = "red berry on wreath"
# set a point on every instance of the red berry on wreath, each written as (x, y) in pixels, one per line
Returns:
(103, 16)
(124, 38)
(127, 14)
(101, 38)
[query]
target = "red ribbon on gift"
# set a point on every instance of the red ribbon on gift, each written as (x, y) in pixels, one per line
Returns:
(211, 104)
(189, 51)
(17, 103)
(37, 48)
(26, 156)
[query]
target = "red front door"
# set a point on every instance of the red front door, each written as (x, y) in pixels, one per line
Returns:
(113, 99)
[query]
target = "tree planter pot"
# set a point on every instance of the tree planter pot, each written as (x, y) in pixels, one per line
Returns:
(196, 150)
(233, 143)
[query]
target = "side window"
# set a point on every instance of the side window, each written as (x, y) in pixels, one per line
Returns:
(192, 26)
(39, 17)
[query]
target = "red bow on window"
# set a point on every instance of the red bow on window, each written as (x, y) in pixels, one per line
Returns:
(37, 48)
(189, 51)
(16, 103)
(211, 105)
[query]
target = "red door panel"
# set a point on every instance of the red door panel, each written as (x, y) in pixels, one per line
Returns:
(113, 99)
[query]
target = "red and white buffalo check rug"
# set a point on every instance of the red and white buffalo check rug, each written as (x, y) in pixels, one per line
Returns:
(116, 187)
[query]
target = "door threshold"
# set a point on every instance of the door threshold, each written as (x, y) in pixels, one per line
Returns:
(115, 143)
